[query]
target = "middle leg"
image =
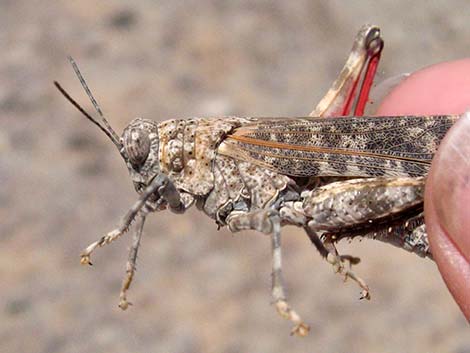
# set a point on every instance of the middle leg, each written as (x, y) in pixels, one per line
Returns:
(268, 221)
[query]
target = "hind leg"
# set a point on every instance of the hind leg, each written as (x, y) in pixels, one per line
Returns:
(329, 252)
(354, 206)
(359, 70)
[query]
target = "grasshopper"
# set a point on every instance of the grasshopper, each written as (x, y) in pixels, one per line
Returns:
(335, 178)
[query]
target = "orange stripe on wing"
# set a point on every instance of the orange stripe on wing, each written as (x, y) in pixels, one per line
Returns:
(285, 146)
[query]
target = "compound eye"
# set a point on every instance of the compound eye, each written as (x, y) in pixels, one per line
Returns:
(137, 146)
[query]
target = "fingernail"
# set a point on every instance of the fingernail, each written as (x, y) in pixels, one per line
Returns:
(450, 179)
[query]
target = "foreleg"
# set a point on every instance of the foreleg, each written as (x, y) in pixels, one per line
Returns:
(161, 187)
(131, 262)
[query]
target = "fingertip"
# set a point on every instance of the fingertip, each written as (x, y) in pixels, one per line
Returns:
(453, 266)
(438, 89)
(444, 89)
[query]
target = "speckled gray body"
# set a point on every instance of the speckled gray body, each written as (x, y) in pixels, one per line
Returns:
(236, 166)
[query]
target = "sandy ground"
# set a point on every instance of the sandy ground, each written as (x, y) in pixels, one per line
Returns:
(63, 183)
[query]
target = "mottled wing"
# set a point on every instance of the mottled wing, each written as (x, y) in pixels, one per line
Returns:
(348, 146)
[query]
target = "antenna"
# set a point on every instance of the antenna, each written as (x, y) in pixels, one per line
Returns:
(88, 116)
(107, 129)
(92, 99)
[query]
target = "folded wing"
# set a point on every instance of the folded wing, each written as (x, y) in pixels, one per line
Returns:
(347, 146)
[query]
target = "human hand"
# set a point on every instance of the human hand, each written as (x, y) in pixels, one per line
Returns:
(444, 89)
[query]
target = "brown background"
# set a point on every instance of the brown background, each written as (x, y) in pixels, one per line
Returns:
(197, 290)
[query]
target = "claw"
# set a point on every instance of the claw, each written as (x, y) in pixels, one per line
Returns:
(365, 295)
(108, 238)
(300, 329)
(338, 267)
(124, 304)
(85, 260)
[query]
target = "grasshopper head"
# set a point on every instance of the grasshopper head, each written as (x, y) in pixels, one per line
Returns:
(139, 143)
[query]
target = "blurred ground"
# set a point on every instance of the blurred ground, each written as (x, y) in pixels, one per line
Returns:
(197, 290)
